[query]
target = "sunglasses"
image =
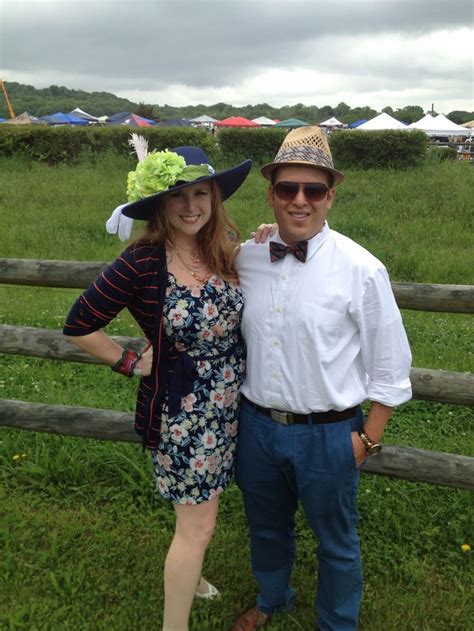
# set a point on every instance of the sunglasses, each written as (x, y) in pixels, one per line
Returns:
(313, 191)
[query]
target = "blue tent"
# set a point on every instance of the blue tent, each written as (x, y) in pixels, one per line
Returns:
(175, 122)
(357, 123)
(2, 120)
(59, 118)
(129, 118)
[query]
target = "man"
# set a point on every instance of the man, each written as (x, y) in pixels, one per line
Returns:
(323, 334)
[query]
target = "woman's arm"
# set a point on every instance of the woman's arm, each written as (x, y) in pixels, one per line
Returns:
(101, 346)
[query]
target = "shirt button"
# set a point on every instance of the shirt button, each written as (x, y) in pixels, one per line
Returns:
(275, 375)
(277, 309)
(276, 343)
(283, 276)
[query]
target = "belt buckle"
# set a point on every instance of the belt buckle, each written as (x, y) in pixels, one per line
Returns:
(284, 418)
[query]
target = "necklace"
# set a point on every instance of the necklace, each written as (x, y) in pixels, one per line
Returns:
(194, 254)
(194, 272)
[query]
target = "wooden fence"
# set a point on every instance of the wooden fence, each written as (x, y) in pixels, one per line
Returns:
(407, 463)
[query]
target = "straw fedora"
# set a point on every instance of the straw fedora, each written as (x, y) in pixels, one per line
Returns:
(228, 181)
(306, 146)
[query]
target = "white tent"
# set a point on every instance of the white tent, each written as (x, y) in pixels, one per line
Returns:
(204, 120)
(84, 115)
(439, 126)
(423, 123)
(263, 120)
(382, 121)
(331, 122)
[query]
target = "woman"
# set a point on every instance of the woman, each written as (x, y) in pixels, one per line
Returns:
(179, 284)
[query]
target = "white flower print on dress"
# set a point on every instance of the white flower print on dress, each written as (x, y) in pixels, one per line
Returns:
(198, 464)
(178, 316)
(230, 429)
(228, 374)
(187, 402)
(211, 463)
(210, 311)
(177, 433)
(209, 440)
(217, 397)
(230, 396)
(203, 367)
(205, 335)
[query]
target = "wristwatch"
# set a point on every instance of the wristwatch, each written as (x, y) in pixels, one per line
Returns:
(371, 447)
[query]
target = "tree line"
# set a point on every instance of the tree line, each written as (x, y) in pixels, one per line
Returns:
(61, 99)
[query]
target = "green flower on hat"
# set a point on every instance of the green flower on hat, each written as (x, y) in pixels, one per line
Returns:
(160, 171)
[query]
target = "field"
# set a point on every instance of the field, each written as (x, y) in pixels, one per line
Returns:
(84, 534)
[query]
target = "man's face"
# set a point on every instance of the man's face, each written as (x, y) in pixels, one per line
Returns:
(300, 218)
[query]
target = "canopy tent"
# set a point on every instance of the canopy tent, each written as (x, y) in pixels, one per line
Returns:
(236, 121)
(203, 120)
(59, 118)
(423, 123)
(292, 123)
(175, 122)
(382, 121)
(131, 119)
(25, 119)
(264, 121)
(357, 123)
(84, 115)
(331, 122)
(439, 126)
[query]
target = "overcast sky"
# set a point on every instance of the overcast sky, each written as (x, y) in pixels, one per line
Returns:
(180, 52)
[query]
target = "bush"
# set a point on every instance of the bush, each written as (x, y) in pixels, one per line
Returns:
(67, 144)
(260, 145)
(378, 149)
(441, 154)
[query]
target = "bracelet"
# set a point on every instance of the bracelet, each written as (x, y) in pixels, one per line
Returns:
(127, 362)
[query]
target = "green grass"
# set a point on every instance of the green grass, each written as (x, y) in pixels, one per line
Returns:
(83, 533)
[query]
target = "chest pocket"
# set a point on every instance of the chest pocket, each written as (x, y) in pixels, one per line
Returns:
(319, 329)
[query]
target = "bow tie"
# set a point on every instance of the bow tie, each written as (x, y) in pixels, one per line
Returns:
(279, 251)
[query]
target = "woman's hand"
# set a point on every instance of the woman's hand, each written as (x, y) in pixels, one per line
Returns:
(264, 231)
(143, 368)
(360, 453)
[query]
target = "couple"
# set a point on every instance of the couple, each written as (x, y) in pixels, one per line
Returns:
(322, 334)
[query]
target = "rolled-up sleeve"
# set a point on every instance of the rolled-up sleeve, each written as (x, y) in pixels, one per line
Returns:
(384, 345)
(113, 290)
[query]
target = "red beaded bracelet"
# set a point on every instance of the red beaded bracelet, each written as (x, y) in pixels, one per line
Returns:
(127, 363)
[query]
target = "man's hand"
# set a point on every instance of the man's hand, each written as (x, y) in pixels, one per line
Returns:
(264, 231)
(360, 453)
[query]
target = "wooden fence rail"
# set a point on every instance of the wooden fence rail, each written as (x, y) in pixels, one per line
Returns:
(428, 384)
(407, 463)
(74, 274)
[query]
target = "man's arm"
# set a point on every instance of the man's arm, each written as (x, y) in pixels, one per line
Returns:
(374, 427)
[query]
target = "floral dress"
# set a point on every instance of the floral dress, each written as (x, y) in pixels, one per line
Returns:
(194, 460)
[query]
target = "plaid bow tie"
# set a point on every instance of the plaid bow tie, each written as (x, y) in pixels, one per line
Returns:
(279, 251)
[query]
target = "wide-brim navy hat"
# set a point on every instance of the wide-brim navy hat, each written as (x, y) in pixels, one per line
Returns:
(228, 181)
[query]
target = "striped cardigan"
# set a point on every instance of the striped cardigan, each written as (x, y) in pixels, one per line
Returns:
(137, 280)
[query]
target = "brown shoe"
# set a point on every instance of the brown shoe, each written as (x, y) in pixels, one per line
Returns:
(251, 620)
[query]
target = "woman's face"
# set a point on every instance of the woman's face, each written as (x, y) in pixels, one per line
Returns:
(189, 209)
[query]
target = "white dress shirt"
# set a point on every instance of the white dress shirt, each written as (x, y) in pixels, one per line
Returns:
(321, 335)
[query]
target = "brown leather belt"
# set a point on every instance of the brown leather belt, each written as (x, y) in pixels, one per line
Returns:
(314, 418)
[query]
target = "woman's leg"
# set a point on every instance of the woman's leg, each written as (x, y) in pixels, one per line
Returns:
(194, 529)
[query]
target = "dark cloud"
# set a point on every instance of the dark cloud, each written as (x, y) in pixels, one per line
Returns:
(199, 43)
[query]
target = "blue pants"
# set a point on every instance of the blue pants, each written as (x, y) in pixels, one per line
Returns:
(277, 465)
